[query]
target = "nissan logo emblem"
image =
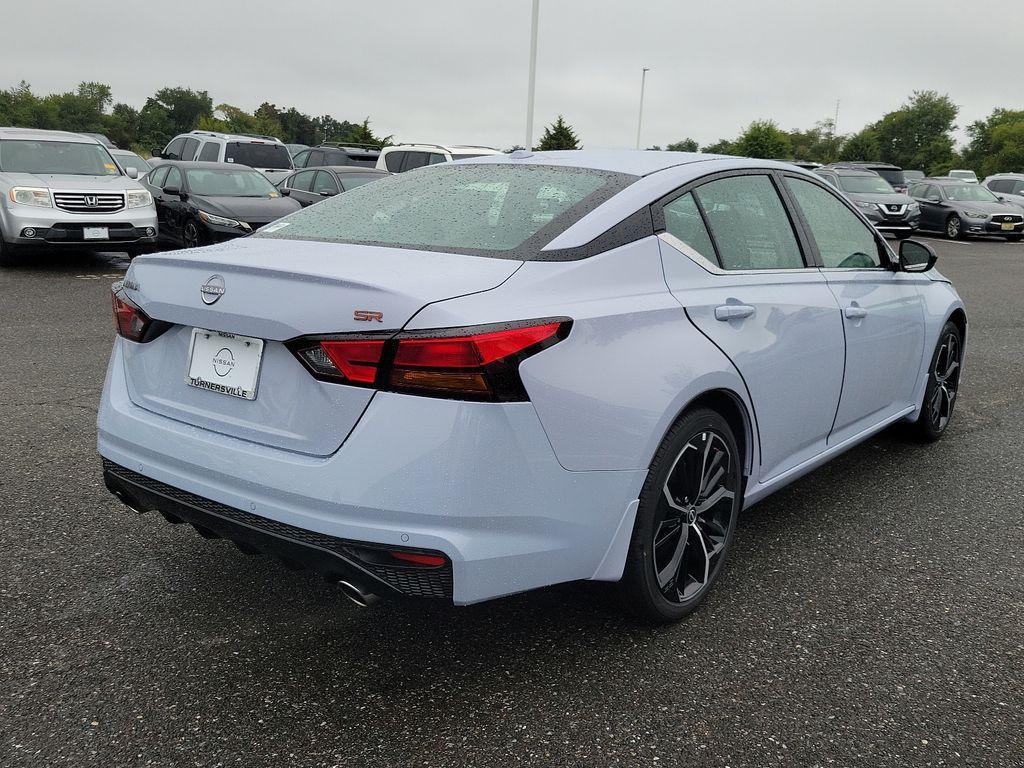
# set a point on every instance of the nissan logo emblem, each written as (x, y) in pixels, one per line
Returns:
(212, 289)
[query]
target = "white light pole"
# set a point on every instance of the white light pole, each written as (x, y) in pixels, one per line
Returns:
(640, 117)
(533, 76)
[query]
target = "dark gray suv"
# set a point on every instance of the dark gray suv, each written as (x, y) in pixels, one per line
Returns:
(890, 211)
(961, 208)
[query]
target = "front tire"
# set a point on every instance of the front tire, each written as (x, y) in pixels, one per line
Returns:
(943, 385)
(954, 228)
(685, 522)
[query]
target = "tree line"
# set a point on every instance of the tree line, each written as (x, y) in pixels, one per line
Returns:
(918, 135)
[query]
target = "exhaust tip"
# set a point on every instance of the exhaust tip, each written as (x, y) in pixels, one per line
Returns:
(128, 502)
(358, 596)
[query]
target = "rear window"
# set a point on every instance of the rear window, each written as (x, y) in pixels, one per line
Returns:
(893, 175)
(257, 155)
(487, 210)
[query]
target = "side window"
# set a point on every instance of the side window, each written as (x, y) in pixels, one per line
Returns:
(414, 160)
(683, 220)
(433, 158)
(843, 240)
(210, 151)
(299, 161)
(158, 176)
(931, 192)
(830, 178)
(749, 223)
(916, 190)
(315, 158)
(393, 161)
(188, 152)
(302, 181)
(173, 150)
(1018, 188)
(173, 178)
(325, 183)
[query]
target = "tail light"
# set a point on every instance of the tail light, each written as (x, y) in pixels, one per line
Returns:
(475, 363)
(130, 321)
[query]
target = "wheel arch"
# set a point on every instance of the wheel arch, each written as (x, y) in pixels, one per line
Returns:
(959, 318)
(732, 407)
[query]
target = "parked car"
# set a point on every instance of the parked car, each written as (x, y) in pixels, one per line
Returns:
(406, 157)
(1007, 186)
(960, 208)
(888, 210)
(964, 175)
(807, 165)
(127, 159)
(61, 189)
(294, 149)
(891, 173)
(486, 377)
(264, 153)
(101, 139)
(314, 184)
(912, 176)
(333, 154)
(200, 203)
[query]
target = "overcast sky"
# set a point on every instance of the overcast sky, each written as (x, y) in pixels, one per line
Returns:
(455, 71)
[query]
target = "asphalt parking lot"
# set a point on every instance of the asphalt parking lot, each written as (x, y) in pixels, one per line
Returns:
(872, 614)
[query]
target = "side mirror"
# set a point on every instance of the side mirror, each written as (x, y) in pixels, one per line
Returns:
(175, 192)
(285, 192)
(328, 194)
(933, 199)
(158, 153)
(131, 172)
(916, 256)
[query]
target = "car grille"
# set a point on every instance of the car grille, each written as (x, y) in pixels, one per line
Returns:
(413, 582)
(1008, 218)
(84, 202)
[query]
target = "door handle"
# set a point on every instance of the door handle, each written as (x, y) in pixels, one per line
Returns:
(733, 311)
(855, 312)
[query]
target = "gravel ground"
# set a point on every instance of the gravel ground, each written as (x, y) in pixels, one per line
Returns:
(871, 615)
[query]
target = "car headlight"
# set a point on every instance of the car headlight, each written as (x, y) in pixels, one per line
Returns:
(975, 215)
(37, 196)
(866, 206)
(914, 208)
(222, 221)
(139, 198)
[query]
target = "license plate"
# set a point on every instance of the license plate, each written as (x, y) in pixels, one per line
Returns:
(224, 363)
(1008, 226)
(95, 233)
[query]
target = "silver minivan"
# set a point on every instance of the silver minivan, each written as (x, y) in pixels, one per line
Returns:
(60, 190)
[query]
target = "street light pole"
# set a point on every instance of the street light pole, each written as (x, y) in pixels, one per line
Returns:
(640, 117)
(533, 76)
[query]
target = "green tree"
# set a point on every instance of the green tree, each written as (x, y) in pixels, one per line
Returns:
(558, 135)
(919, 134)
(862, 145)
(362, 134)
(683, 145)
(121, 126)
(720, 147)
(764, 139)
(984, 153)
(819, 144)
(184, 107)
(20, 107)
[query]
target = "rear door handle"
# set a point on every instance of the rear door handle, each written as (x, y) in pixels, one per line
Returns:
(733, 311)
(855, 312)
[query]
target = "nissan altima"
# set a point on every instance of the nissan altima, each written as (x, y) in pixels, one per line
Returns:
(489, 376)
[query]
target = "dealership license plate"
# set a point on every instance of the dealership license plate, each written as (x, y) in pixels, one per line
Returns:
(95, 233)
(224, 363)
(1008, 226)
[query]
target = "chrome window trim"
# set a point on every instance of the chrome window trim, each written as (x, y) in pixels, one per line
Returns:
(702, 261)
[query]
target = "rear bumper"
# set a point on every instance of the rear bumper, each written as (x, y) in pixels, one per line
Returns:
(477, 482)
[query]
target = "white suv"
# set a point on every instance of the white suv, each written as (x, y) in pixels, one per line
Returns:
(265, 154)
(405, 157)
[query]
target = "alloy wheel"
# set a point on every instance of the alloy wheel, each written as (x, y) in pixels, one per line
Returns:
(191, 235)
(694, 517)
(947, 379)
(953, 227)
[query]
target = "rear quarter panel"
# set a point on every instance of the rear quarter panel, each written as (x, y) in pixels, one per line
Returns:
(608, 393)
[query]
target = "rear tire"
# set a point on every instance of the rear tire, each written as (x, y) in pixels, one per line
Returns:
(954, 228)
(943, 386)
(685, 522)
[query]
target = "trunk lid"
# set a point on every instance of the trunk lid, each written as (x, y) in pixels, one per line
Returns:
(276, 290)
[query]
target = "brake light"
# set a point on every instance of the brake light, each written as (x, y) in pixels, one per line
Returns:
(416, 558)
(478, 363)
(130, 321)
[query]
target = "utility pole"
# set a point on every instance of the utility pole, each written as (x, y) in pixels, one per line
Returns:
(835, 123)
(533, 76)
(640, 117)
